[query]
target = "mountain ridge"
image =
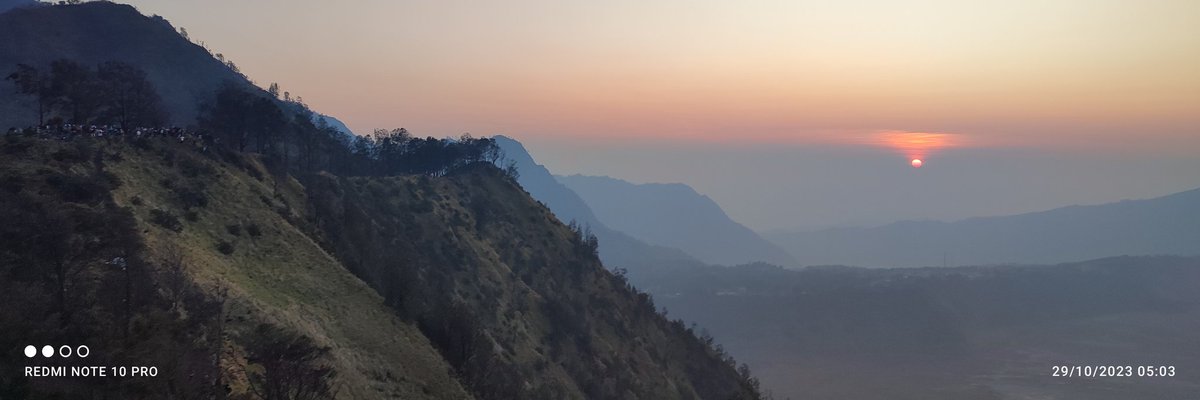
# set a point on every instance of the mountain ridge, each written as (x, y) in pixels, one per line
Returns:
(617, 249)
(1152, 226)
(230, 270)
(674, 215)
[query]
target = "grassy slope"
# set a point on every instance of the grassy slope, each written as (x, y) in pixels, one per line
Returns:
(562, 323)
(555, 323)
(283, 277)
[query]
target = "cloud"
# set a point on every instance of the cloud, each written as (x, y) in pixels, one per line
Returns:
(915, 144)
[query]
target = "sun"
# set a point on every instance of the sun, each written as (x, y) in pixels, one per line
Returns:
(917, 163)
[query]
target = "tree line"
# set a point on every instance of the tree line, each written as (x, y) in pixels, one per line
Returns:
(113, 93)
(292, 138)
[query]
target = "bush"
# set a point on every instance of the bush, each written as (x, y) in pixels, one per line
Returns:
(186, 195)
(225, 248)
(193, 168)
(78, 189)
(137, 200)
(291, 365)
(253, 172)
(234, 229)
(189, 197)
(166, 220)
(12, 184)
(253, 230)
(191, 215)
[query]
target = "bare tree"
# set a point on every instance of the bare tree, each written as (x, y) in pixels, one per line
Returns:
(31, 82)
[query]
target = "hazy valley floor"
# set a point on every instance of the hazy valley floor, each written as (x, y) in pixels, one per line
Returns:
(959, 333)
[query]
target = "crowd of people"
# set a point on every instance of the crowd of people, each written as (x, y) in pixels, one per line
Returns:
(69, 132)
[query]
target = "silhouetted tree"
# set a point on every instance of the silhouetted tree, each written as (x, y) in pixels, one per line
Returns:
(242, 118)
(30, 81)
(75, 90)
(130, 99)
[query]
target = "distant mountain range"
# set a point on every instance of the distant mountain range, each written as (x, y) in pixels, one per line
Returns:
(617, 249)
(1164, 225)
(638, 224)
(674, 215)
(333, 123)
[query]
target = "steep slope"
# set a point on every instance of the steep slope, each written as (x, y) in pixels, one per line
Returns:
(1164, 225)
(674, 215)
(470, 285)
(617, 249)
(95, 32)
(184, 206)
(482, 267)
(184, 74)
(6, 5)
(233, 266)
(337, 124)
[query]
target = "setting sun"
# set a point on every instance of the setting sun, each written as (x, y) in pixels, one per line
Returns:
(917, 163)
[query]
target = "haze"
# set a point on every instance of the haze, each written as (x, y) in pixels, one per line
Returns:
(763, 105)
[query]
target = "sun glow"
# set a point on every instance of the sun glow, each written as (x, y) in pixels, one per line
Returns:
(916, 146)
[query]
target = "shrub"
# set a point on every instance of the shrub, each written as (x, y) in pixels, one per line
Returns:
(137, 200)
(225, 247)
(189, 197)
(291, 365)
(234, 229)
(253, 172)
(12, 183)
(192, 168)
(78, 189)
(253, 230)
(166, 220)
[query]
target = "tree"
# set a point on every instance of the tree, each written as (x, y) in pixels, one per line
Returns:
(287, 365)
(174, 275)
(266, 123)
(274, 90)
(131, 100)
(75, 90)
(29, 81)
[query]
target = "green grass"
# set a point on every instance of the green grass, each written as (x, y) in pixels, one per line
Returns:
(282, 276)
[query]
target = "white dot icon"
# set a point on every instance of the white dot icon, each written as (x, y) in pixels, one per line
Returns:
(30, 351)
(48, 351)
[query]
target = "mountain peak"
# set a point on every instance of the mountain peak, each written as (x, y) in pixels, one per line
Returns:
(674, 215)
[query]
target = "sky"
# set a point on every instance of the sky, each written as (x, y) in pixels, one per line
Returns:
(784, 112)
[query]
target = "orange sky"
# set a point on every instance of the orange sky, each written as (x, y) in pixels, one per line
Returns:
(779, 110)
(1116, 74)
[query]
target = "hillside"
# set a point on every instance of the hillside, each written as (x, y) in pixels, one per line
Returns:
(277, 276)
(481, 289)
(617, 249)
(95, 32)
(1164, 225)
(263, 256)
(674, 215)
(6, 5)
